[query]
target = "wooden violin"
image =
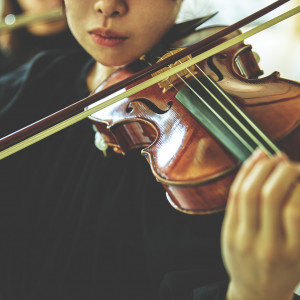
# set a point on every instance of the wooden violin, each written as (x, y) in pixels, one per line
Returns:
(196, 126)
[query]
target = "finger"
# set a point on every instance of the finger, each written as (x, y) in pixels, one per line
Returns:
(231, 217)
(250, 193)
(246, 167)
(292, 221)
(274, 195)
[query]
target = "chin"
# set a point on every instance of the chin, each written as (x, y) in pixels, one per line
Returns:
(116, 58)
(116, 63)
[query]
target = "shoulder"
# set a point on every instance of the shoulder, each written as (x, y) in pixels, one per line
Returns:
(45, 71)
(42, 86)
(49, 63)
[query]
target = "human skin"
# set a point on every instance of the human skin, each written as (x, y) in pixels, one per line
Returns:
(260, 234)
(40, 6)
(260, 237)
(140, 24)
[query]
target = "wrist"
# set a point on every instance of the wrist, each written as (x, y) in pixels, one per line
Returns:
(235, 293)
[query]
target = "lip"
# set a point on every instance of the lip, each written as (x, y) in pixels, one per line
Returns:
(107, 38)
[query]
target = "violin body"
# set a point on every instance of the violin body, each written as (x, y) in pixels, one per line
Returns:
(193, 166)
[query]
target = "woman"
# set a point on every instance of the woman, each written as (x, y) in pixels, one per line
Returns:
(78, 225)
(19, 45)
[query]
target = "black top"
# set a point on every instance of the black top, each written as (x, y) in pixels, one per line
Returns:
(77, 225)
(27, 45)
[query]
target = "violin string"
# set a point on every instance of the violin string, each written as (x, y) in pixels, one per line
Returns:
(167, 79)
(242, 114)
(241, 126)
(161, 71)
(84, 114)
(251, 149)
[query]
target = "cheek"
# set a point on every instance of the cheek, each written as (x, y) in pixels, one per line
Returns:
(28, 5)
(73, 15)
(152, 30)
(157, 21)
(75, 12)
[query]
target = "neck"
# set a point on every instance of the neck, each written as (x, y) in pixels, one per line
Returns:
(98, 74)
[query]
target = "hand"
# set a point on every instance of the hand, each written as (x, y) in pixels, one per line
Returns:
(261, 229)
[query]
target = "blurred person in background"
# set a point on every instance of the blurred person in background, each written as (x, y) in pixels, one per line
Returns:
(19, 45)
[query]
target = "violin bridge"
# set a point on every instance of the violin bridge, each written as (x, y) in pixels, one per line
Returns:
(173, 80)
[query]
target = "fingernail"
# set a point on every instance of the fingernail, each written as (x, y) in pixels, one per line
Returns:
(282, 156)
(258, 153)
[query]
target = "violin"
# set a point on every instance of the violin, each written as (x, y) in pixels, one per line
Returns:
(197, 125)
(12, 22)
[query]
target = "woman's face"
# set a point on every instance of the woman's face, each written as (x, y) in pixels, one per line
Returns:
(39, 6)
(117, 32)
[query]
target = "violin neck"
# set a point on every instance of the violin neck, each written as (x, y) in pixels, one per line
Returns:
(222, 117)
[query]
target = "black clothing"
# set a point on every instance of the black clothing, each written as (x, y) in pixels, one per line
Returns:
(77, 225)
(27, 45)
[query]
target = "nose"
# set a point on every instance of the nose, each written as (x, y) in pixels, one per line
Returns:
(110, 8)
